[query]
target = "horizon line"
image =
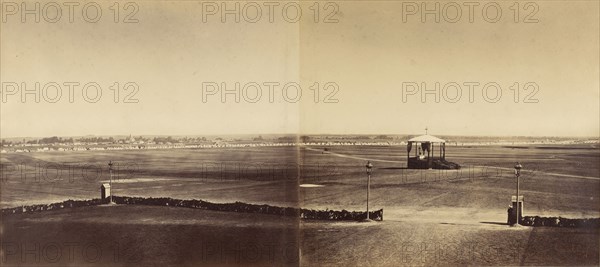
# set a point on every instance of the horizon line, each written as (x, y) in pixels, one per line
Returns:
(303, 134)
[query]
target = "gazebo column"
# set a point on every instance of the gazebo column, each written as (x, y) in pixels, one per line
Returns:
(429, 155)
(444, 154)
(408, 154)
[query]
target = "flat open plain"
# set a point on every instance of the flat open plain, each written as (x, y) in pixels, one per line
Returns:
(431, 217)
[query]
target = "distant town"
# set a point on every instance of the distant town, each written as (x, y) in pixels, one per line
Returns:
(83, 143)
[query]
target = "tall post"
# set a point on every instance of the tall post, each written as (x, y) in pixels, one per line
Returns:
(518, 168)
(368, 191)
(518, 198)
(368, 168)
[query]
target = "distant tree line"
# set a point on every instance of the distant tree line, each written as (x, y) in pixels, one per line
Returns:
(50, 140)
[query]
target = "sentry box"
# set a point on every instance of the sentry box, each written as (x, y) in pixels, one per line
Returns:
(512, 216)
(105, 191)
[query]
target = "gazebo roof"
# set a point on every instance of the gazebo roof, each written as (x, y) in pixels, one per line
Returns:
(426, 139)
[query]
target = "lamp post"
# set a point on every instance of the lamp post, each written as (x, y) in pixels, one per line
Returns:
(518, 168)
(110, 164)
(369, 169)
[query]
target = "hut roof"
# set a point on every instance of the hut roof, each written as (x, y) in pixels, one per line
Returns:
(426, 138)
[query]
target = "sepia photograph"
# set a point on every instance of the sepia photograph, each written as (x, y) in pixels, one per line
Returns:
(299, 133)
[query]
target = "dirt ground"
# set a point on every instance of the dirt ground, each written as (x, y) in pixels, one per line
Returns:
(167, 236)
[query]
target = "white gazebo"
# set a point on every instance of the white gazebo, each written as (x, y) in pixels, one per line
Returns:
(424, 151)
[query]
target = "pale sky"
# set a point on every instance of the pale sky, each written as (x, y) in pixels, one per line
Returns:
(369, 53)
